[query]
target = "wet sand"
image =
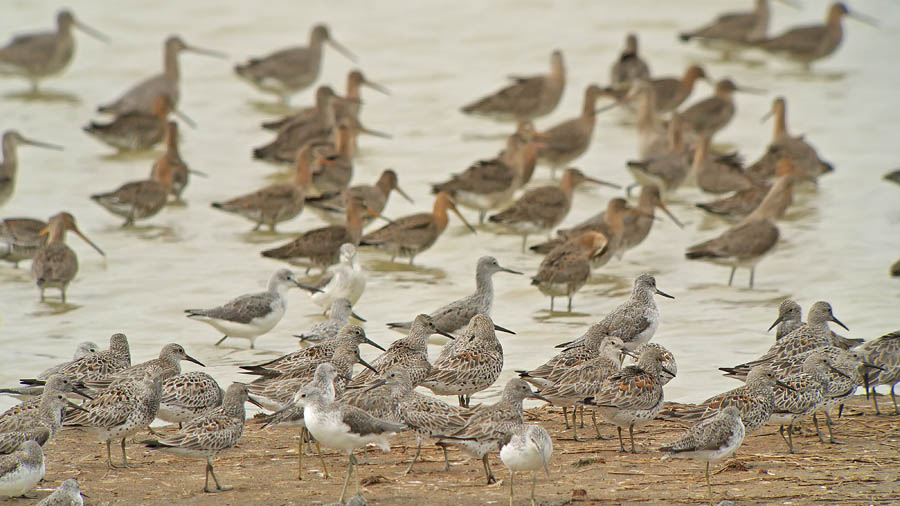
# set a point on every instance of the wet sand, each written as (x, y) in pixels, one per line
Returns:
(263, 469)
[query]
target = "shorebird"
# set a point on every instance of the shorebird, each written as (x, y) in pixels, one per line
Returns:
(121, 410)
(744, 244)
(808, 394)
(101, 364)
(304, 362)
(288, 71)
(39, 418)
(138, 200)
(528, 449)
(884, 352)
(542, 209)
(629, 66)
(332, 207)
(339, 316)
(333, 167)
(808, 336)
(321, 247)
(83, 348)
(634, 321)
(346, 280)
(851, 365)
(317, 126)
(187, 396)
(666, 170)
(706, 117)
(789, 319)
(344, 107)
(410, 353)
(411, 235)
(733, 30)
(567, 267)
(211, 433)
(488, 426)
(671, 92)
(469, 364)
(570, 139)
(575, 352)
(168, 362)
(633, 396)
(141, 96)
(457, 314)
(721, 174)
(10, 163)
(806, 44)
(636, 224)
(20, 239)
(755, 400)
(743, 202)
(37, 56)
(252, 315)
(276, 202)
(55, 264)
(528, 98)
(577, 373)
(67, 494)
(171, 161)
(424, 415)
(783, 144)
(343, 427)
(21, 470)
(488, 184)
(135, 130)
(711, 440)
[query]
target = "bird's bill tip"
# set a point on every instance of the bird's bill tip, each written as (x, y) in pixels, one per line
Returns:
(664, 294)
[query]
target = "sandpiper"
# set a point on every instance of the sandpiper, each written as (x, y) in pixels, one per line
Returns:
(41, 418)
(411, 235)
(783, 144)
(332, 206)
(671, 92)
(488, 426)
(55, 264)
(528, 449)
(121, 410)
(317, 126)
(99, 365)
(142, 95)
(629, 66)
(211, 433)
(744, 201)
(169, 363)
(343, 427)
(20, 239)
(542, 209)
(710, 440)
(292, 69)
(790, 317)
(633, 396)
(456, 315)
(708, 116)
(346, 280)
(276, 202)
(574, 353)
(733, 30)
(187, 396)
(719, 174)
(320, 247)
(528, 98)
(338, 317)
(83, 348)
(135, 130)
(10, 163)
(171, 161)
(252, 315)
(570, 139)
(667, 170)
(21, 470)
(37, 56)
(755, 400)
(424, 415)
(138, 200)
(851, 366)
(410, 353)
(884, 352)
(67, 494)
(609, 223)
(806, 44)
(567, 267)
(469, 364)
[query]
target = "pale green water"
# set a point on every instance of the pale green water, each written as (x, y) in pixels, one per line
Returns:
(837, 242)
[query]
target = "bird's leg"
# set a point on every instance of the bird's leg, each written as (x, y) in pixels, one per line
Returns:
(831, 438)
(356, 470)
(347, 479)
(109, 462)
(487, 470)
(621, 442)
(418, 451)
(840, 411)
(220, 340)
(322, 459)
(791, 437)
(875, 401)
(597, 427)
(708, 484)
(551, 300)
(481, 214)
(300, 455)
(533, 483)
(631, 434)
(63, 293)
(731, 277)
(752, 271)
(570, 303)
(42, 294)
(894, 398)
(219, 488)
(575, 424)
(524, 242)
(462, 401)
(566, 416)
(510, 487)
(446, 459)
(818, 433)
(124, 457)
(581, 408)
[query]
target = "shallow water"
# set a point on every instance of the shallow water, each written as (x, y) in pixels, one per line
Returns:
(837, 241)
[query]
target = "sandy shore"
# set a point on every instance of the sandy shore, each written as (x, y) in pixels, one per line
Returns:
(263, 470)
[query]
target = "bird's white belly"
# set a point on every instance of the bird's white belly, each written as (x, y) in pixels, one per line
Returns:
(521, 458)
(20, 481)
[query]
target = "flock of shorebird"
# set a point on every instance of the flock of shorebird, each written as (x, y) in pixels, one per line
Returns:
(809, 369)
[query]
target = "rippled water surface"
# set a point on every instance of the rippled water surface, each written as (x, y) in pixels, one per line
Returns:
(837, 241)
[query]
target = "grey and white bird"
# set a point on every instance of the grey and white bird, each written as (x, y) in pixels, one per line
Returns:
(346, 280)
(883, 352)
(187, 396)
(528, 449)
(68, 493)
(21, 470)
(338, 317)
